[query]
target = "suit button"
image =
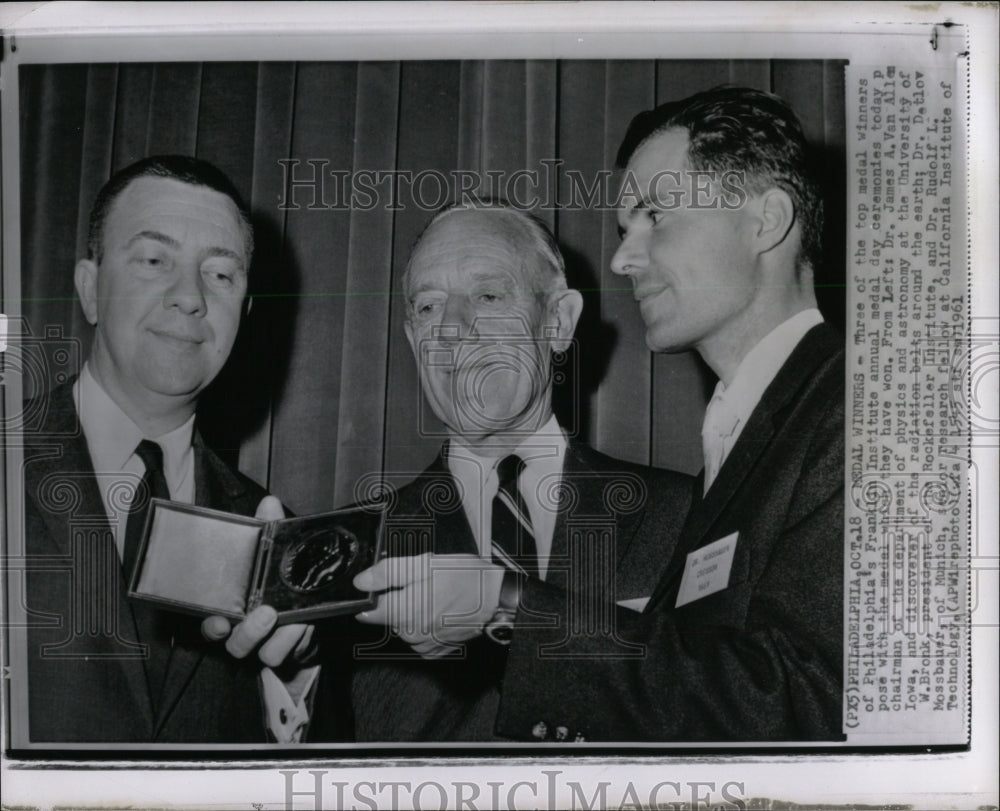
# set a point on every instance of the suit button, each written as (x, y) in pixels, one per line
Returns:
(283, 716)
(540, 731)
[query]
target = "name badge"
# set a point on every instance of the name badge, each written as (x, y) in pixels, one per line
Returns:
(707, 570)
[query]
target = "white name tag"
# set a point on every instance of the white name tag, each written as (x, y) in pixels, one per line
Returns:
(707, 570)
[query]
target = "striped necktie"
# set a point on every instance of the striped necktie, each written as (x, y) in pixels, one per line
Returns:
(513, 538)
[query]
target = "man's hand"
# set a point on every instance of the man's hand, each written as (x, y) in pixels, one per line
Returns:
(433, 601)
(256, 628)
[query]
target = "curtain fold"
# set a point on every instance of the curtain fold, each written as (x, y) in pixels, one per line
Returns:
(364, 385)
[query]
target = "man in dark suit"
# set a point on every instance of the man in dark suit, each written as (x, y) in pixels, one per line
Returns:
(510, 497)
(720, 227)
(164, 285)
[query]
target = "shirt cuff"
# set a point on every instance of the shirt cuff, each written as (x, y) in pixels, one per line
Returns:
(286, 717)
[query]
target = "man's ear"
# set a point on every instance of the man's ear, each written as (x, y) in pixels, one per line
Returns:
(565, 307)
(85, 279)
(775, 216)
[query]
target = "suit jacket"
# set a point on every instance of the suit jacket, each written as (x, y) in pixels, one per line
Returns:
(597, 546)
(762, 659)
(86, 680)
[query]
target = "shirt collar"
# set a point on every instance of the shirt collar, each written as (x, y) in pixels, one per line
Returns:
(761, 365)
(542, 452)
(112, 436)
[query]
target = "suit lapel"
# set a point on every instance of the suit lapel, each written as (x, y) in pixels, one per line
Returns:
(765, 421)
(60, 460)
(753, 440)
(435, 492)
(63, 458)
(453, 534)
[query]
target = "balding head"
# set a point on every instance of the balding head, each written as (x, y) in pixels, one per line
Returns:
(498, 224)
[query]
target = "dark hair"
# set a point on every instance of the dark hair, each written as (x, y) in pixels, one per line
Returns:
(742, 130)
(178, 167)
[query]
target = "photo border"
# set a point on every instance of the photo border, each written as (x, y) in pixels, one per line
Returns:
(547, 33)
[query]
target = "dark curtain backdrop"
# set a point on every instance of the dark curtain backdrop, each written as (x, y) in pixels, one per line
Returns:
(322, 389)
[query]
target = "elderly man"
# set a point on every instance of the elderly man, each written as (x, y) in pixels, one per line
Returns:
(509, 501)
(720, 229)
(164, 285)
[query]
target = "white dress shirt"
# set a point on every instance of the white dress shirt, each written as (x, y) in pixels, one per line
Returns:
(543, 453)
(732, 405)
(112, 438)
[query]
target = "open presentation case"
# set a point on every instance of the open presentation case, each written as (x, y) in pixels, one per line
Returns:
(202, 561)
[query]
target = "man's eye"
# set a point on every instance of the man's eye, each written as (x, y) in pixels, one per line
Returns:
(219, 277)
(490, 297)
(150, 261)
(655, 215)
(425, 308)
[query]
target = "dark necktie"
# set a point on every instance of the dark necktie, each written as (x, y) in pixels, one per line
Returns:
(151, 623)
(513, 538)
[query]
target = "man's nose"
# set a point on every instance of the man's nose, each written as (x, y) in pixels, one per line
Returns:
(456, 321)
(187, 292)
(629, 256)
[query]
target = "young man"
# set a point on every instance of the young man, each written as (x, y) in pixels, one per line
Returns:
(720, 228)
